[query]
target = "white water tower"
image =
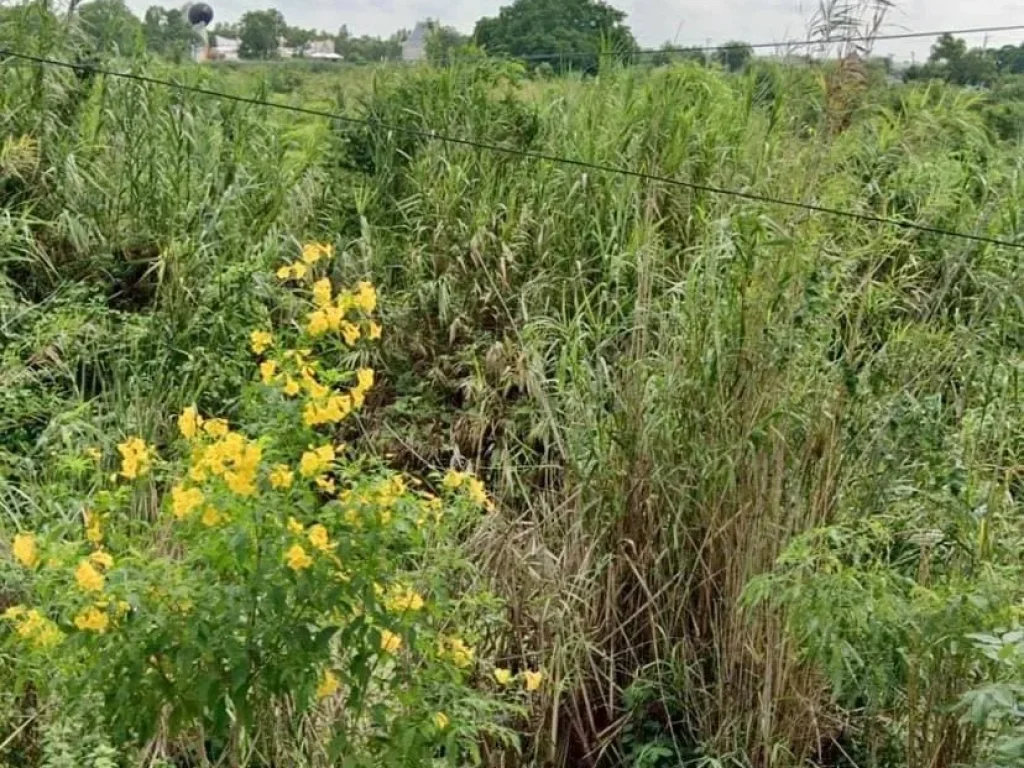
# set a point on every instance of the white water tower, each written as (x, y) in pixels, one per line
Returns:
(200, 16)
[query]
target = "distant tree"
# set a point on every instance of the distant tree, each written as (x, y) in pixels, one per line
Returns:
(365, 48)
(443, 42)
(976, 67)
(110, 25)
(168, 33)
(734, 56)
(948, 50)
(260, 33)
(561, 27)
(299, 38)
(1010, 59)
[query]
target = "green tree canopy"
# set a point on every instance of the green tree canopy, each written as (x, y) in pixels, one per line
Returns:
(443, 42)
(168, 33)
(110, 25)
(260, 33)
(734, 55)
(365, 48)
(561, 27)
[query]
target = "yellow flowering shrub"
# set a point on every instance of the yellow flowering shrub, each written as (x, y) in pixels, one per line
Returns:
(283, 565)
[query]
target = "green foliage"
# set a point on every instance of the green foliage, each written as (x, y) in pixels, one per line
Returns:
(539, 27)
(734, 56)
(168, 33)
(259, 32)
(110, 25)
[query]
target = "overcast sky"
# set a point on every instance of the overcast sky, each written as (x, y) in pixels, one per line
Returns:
(653, 21)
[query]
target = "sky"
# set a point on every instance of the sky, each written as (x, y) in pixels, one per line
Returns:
(653, 22)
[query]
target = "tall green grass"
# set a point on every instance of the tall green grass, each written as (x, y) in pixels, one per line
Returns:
(667, 389)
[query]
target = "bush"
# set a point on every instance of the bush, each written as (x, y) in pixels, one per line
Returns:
(283, 568)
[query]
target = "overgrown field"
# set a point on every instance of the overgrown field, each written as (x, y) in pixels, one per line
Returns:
(754, 475)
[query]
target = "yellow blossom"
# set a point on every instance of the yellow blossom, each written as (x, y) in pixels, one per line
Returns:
(322, 292)
(328, 685)
(375, 331)
(242, 482)
(297, 558)
(319, 538)
(210, 517)
(316, 461)
(92, 620)
(335, 316)
(317, 323)
(403, 600)
(364, 379)
(261, 341)
(313, 252)
(533, 680)
(216, 428)
(34, 627)
(476, 492)
(95, 454)
(314, 388)
(366, 297)
(281, 477)
(326, 484)
(189, 422)
(93, 528)
(350, 332)
(102, 560)
(389, 641)
(295, 526)
(503, 676)
(453, 479)
(441, 720)
(284, 273)
(291, 387)
(461, 654)
(135, 458)
(298, 271)
(268, 370)
(185, 500)
(88, 578)
(25, 551)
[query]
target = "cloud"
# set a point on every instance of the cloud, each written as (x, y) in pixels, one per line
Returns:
(683, 22)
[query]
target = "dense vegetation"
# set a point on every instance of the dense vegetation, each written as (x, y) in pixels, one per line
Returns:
(330, 442)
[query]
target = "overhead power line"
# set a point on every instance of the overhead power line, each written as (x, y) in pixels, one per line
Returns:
(776, 44)
(512, 151)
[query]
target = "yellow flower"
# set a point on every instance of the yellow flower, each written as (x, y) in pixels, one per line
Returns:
(297, 559)
(25, 551)
(350, 332)
(503, 676)
(268, 369)
(189, 422)
(281, 477)
(319, 538)
(335, 316)
(366, 297)
(318, 323)
(316, 461)
(95, 454)
(298, 271)
(216, 428)
(322, 292)
(375, 331)
(185, 500)
(291, 387)
(135, 458)
(284, 273)
(210, 517)
(533, 680)
(295, 526)
(261, 341)
(328, 685)
(35, 627)
(404, 600)
(92, 620)
(461, 654)
(389, 641)
(93, 528)
(241, 482)
(313, 252)
(102, 560)
(88, 578)
(453, 479)
(326, 484)
(441, 720)
(476, 492)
